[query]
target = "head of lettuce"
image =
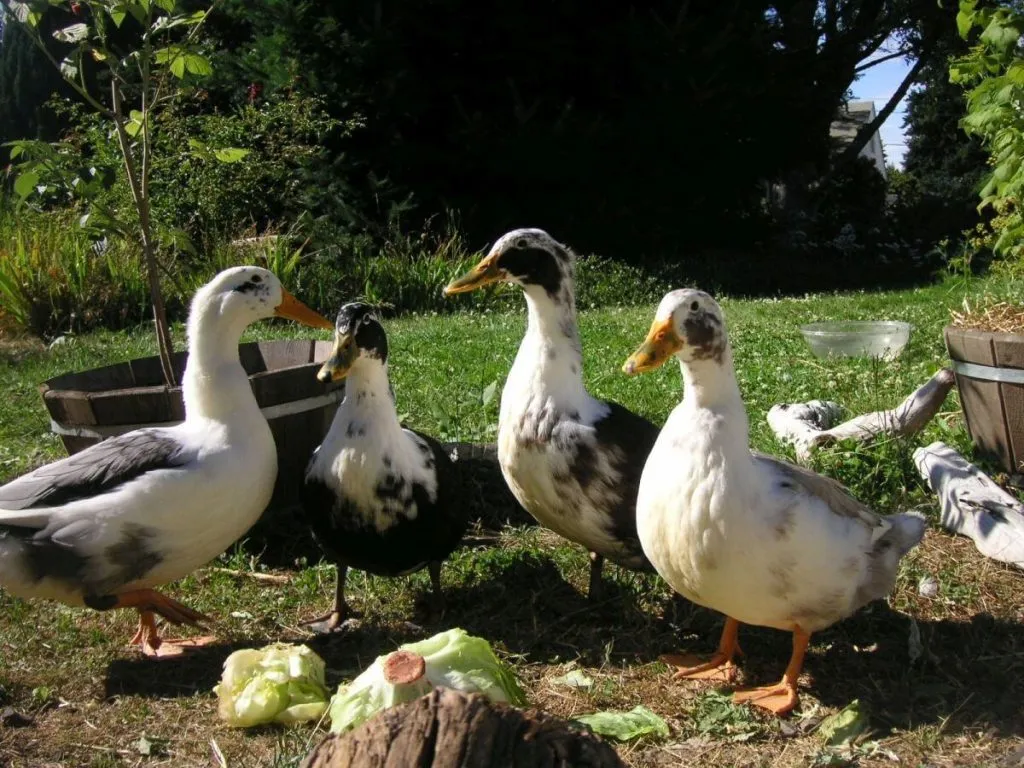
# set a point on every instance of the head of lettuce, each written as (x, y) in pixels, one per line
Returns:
(280, 683)
(450, 659)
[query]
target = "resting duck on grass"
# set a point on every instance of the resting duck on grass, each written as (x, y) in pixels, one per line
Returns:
(378, 497)
(761, 540)
(104, 527)
(571, 460)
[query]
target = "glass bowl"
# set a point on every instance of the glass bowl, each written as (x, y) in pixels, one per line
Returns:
(884, 339)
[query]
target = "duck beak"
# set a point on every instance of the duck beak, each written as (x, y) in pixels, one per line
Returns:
(293, 309)
(661, 343)
(484, 273)
(340, 362)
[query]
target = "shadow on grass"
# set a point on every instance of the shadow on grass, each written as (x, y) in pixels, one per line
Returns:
(968, 674)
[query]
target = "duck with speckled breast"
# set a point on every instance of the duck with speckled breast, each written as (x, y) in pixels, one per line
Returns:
(759, 539)
(378, 497)
(571, 460)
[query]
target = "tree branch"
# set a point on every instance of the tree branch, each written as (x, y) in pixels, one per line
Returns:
(880, 59)
(869, 129)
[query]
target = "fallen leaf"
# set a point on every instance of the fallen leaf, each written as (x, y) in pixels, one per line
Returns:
(623, 726)
(575, 679)
(844, 726)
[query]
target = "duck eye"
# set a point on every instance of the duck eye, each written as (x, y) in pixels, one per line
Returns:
(695, 306)
(659, 336)
(521, 243)
(256, 279)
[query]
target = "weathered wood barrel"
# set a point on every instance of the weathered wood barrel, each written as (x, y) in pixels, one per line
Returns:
(88, 406)
(989, 369)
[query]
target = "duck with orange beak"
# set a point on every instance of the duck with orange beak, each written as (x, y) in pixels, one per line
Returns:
(106, 526)
(571, 460)
(378, 496)
(759, 539)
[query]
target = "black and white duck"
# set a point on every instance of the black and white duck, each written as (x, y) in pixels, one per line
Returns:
(379, 497)
(572, 461)
(104, 527)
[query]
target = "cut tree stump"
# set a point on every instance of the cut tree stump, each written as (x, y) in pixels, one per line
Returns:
(809, 425)
(450, 728)
(972, 504)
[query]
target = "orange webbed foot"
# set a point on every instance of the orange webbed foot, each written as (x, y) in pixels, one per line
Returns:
(780, 698)
(718, 667)
(148, 640)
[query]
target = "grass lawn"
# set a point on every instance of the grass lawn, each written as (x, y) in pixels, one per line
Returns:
(942, 677)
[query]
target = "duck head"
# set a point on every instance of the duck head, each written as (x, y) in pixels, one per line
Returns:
(688, 324)
(527, 257)
(240, 296)
(358, 337)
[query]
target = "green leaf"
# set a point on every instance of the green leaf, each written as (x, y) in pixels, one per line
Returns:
(178, 67)
(624, 726)
(25, 184)
(117, 15)
(1001, 34)
(134, 123)
(488, 393)
(965, 19)
(167, 5)
(230, 154)
(199, 149)
(844, 726)
(197, 65)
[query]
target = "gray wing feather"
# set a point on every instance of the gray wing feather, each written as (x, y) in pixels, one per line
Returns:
(97, 469)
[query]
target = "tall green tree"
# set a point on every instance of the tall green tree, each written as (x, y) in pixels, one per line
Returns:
(943, 165)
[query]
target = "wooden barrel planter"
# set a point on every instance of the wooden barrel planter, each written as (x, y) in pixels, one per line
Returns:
(89, 406)
(989, 369)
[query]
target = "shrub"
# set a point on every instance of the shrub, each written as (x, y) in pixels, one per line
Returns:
(54, 278)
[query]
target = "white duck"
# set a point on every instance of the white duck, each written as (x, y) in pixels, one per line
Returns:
(761, 540)
(104, 527)
(571, 460)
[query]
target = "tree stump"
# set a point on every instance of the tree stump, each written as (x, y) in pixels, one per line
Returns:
(449, 728)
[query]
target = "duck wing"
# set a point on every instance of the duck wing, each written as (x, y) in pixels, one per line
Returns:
(627, 439)
(839, 500)
(98, 469)
(449, 503)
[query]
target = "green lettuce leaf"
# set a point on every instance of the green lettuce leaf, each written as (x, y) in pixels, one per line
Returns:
(452, 659)
(624, 726)
(279, 683)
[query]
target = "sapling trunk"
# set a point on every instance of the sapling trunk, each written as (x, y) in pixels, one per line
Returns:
(140, 196)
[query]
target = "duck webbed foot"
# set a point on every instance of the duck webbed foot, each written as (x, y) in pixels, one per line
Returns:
(340, 612)
(719, 667)
(148, 639)
(782, 697)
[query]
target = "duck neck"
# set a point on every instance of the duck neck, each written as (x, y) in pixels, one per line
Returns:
(710, 388)
(368, 398)
(215, 386)
(550, 354)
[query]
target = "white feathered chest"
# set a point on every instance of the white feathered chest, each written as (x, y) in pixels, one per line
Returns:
(374, 465)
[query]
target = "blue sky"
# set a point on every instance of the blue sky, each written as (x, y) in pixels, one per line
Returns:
(878, 84)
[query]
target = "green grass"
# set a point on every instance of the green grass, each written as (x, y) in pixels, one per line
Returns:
(958, 704)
